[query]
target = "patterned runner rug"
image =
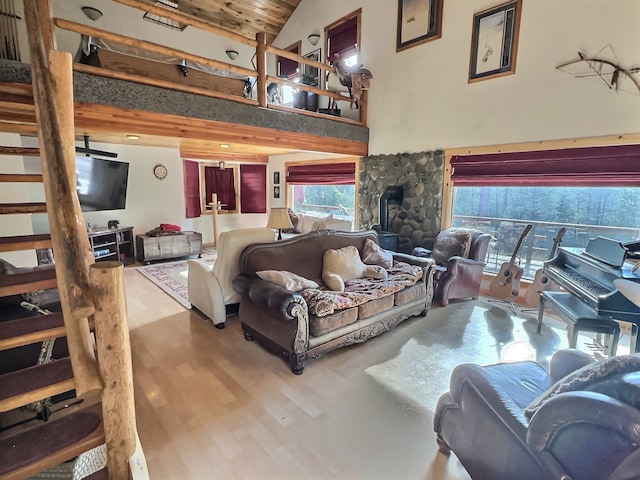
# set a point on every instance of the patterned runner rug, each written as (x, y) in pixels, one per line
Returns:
(171, 277)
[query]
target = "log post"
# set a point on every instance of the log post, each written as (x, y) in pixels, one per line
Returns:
(46, 25)
(261, 66)
(114, 360)
(68, 234)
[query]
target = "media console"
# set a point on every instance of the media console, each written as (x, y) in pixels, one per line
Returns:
(168, 246)
(112, 244)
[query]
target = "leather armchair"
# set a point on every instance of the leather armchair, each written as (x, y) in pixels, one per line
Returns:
(459, 255)
(586, 434)
(210, 290)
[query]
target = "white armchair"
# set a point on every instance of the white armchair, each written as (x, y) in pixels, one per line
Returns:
(210, 290)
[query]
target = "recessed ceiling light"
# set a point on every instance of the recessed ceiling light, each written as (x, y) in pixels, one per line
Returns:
(133, 137)
(224, 145)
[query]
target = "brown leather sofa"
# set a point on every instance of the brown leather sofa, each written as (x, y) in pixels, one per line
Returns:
(280, 319)
(459, 255)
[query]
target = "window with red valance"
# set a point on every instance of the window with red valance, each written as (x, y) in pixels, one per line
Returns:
(342, 37)
(192, 189)
(287, 68)
(613, 166)
(220, 181)
(253, 188)
(322, 174)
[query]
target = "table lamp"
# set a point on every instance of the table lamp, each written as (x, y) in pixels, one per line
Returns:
(279, 218)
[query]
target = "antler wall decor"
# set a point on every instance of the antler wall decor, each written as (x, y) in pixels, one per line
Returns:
(610, 72)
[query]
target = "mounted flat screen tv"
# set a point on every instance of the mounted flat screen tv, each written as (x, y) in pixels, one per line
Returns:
(101, 184)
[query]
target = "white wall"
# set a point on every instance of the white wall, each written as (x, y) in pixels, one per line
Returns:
(420, 99)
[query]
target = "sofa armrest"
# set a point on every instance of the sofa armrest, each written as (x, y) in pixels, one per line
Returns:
(567, 361)
(413, 260)
(205, 292)
(458, 264)
(269, 295)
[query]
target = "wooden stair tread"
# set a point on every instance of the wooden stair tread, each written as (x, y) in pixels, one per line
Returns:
(31, 384)
(29, 280)
(14, 208)
(25, 331)
(20, 177)
(25, 242)
(26, 452)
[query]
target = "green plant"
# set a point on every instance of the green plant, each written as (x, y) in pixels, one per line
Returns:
(307, 79)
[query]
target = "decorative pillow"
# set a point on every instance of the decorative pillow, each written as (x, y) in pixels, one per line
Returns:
(582, 378)
(287, 280)
(374, 254)
(452, 242)
(293, 216)
(344, 264)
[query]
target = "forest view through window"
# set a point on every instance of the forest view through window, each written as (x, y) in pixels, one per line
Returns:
(586, 212)
(322, 200)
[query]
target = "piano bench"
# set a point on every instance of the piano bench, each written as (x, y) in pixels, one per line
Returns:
(579, 317)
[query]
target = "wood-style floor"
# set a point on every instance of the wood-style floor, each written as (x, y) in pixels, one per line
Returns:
(211, 405)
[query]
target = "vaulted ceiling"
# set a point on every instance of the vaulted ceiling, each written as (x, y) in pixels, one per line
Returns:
(246, 17)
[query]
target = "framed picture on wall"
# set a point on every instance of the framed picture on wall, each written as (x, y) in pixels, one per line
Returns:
(276, 192)
(276, 178)
(313, 73)
(419, 21)
(494, 41)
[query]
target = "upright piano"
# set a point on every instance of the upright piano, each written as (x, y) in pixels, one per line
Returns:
(588, 276)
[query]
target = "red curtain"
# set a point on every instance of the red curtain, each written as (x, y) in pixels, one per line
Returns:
(322, 174)
(614, 166)
(288, 68)
(343, 38)
(253, 188)
(192, 189)
(220, 181)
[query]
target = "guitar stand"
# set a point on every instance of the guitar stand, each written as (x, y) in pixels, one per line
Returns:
(507, 302)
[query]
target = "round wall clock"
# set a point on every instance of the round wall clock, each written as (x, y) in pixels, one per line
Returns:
(160, 171)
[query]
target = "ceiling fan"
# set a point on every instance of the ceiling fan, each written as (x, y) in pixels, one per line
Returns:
(89, 151)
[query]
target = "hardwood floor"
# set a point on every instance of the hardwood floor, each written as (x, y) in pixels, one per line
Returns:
(211, 405)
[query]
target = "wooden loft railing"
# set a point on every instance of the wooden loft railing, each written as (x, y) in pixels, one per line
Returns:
(260, 73)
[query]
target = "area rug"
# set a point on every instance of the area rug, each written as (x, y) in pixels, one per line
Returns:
(171, 277)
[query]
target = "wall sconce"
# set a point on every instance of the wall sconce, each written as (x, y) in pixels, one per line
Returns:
(232, 54)
(314, 38)
(92, 13)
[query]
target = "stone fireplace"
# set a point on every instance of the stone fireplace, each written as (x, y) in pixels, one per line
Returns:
(415, 216)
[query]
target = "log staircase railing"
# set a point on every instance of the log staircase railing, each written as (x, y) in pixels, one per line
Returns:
(91, 298)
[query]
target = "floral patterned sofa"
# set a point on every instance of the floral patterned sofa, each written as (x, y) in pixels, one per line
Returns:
(327, 289)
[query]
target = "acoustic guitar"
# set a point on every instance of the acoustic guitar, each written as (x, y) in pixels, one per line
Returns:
(540, 281)
(507, 281)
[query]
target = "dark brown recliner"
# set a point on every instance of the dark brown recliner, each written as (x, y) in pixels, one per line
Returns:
(459, 254)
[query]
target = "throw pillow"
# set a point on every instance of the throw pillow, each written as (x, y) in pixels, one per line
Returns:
(288, 280)
(585, 376)
(344, 264)
(374, 254)
(293, 216)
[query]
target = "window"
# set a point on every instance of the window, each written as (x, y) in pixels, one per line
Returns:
(589, 191)
(192, 189)
(343, 37)
(221, 180)
(288, 69)
(253, 189)
(322, 189)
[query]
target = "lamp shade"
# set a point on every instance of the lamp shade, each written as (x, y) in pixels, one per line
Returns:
(279, 218)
